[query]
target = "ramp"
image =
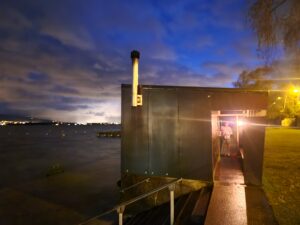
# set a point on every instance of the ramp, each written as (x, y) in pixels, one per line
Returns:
(232, 202)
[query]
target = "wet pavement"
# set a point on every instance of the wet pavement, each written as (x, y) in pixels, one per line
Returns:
(234, 203)
(227, 206)
(229, 171)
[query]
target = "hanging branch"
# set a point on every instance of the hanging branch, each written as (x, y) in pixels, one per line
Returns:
(272, 29)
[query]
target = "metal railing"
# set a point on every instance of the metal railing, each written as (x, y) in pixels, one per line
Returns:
(121, 207)
(136, 184)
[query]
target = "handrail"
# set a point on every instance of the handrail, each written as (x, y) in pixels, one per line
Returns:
(128, 202)
(134, 185)
(121, 207)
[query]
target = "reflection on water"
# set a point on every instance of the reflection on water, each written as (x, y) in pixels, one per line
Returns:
(91, 164)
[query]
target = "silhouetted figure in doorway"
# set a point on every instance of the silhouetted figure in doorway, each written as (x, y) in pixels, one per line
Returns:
(226, 133)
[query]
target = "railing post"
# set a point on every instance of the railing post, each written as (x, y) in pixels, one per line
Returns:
(120, 211)
(171, 189)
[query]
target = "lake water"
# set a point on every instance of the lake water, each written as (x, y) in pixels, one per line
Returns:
(86, 187)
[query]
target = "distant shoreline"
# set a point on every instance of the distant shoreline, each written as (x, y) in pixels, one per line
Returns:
(19, 123)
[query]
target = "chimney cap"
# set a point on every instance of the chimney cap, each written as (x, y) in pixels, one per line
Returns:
(135, 54)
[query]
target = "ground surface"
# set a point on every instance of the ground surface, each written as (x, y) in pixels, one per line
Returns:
(233, 202)
(228, 203)
(281, 179)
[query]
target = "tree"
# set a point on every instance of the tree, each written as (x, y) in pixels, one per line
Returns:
(254, 79)
(291, 106)
(275, 22)
(282, 104)
(257, 80)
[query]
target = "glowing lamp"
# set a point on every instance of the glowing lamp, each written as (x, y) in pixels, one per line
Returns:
(294, 90)
(241, 123)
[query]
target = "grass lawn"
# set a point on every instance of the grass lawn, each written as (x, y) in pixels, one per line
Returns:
(281, 180)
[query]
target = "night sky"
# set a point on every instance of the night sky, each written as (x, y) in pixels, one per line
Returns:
(66, 59)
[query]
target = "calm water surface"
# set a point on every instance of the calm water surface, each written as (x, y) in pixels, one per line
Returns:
(27, 152)
(91, 164)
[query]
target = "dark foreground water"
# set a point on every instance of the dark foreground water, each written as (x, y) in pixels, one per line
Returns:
(91, 169)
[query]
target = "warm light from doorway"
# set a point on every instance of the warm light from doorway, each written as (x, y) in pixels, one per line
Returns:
(241, 123)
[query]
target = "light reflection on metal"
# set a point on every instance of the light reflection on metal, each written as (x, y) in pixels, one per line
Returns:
(120, 208)
(120, 211)
(172, 189)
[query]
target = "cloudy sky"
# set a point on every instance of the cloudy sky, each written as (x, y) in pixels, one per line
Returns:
(66, 59)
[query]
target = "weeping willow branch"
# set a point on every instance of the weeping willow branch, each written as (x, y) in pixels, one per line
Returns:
(276, 23)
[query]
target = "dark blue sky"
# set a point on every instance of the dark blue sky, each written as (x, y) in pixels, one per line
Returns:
(66, 59)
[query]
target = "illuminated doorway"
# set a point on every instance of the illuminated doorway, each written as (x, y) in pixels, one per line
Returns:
(226, 150)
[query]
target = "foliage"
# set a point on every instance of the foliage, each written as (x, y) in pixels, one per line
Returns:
(287, 122)
(254, 79)
(282, 104)
(275, 107)
(292, 106)
(257, 80)
(275, 22)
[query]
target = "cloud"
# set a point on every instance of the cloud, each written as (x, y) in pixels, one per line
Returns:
(38, 78)
(13, 20)
(78, 38)
(224, 67)
(69, 65)
(58, 88)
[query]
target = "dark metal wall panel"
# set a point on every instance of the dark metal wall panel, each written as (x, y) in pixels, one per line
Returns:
(135, 152)
(163, 132)
(239, 100)
(172, 135)
(252, 141)
(126, 140)
(215, 138)
(195, 135)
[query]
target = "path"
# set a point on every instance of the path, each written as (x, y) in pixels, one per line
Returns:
(233, 202)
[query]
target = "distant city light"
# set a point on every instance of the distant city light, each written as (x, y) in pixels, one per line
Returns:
(8, 122)
(56, 123)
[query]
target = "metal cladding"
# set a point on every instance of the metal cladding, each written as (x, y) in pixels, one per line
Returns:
(173, 133)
